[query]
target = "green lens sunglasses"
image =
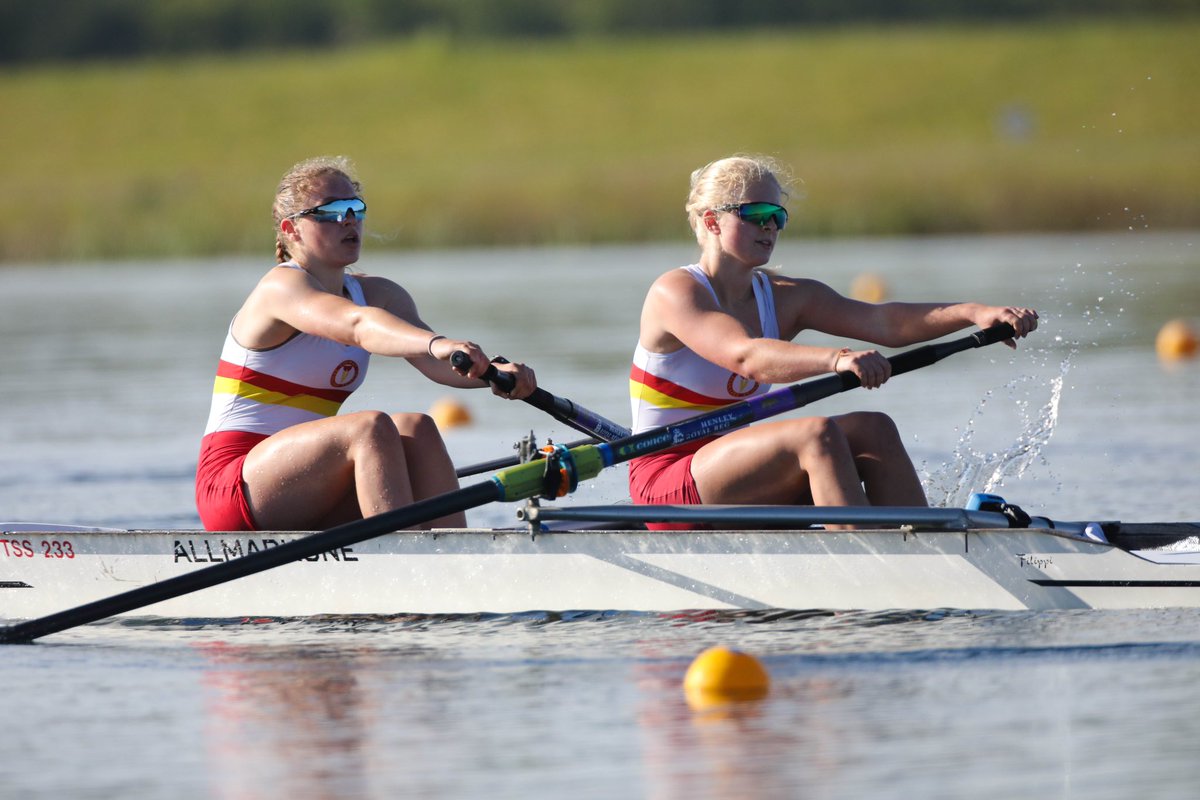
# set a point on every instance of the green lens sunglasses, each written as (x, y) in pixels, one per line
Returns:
(758, 213)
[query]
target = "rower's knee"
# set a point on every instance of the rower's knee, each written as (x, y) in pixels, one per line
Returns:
(878, 425)
(416, 426)
(374, 429)
(820, 437)
(872, 433)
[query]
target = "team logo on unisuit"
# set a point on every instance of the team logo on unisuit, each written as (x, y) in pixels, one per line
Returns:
(344, 374)
(739, 386)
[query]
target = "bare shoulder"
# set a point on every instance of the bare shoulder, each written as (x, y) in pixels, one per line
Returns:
(676, 285)
(281, 282)
(673, 277)
(387, 294)
(261, 320)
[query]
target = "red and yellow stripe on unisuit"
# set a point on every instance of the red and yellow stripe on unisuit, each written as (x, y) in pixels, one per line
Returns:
(259, 387)
(665, 394)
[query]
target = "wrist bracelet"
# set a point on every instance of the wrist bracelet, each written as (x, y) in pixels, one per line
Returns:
(429, 347)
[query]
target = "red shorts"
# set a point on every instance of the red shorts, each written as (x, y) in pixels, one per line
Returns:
(666, 479)
(220, 492)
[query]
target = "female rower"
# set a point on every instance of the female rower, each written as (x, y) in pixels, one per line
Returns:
(275, 454)
(720, 330)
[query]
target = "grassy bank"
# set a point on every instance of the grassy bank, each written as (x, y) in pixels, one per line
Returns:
(891, 132)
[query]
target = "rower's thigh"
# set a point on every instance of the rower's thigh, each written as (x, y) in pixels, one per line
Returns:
(764, 463)
(305, 474)
(315, 455)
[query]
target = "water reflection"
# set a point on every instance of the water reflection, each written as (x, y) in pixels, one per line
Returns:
(905, 704)
(776, 746)
(286, 722)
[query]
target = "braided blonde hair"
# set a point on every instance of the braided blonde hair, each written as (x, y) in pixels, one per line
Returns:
(297, 185)
(725, 181)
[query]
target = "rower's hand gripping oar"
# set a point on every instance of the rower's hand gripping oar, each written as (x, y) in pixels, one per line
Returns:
(563, 410)
(551, 477)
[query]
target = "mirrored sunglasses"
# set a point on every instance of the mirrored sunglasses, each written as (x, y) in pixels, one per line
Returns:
(758, 213)
(336, 210)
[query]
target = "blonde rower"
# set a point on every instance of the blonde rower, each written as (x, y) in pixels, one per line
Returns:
(720, 330)
(276, 455)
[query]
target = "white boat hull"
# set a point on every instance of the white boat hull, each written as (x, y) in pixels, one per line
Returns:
(479, 571)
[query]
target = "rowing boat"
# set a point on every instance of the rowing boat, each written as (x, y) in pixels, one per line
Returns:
(988, 556)
(773, 557)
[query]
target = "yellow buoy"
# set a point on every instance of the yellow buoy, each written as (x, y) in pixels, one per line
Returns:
(448, 413)
(1176, 340)
(869, 288)
(721, 675)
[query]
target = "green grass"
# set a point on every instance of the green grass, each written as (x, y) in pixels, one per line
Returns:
(889, 131)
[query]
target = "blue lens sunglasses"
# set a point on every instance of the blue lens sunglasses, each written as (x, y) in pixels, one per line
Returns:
(335, 210)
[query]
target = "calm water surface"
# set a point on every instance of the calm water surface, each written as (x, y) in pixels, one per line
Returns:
(105, 375)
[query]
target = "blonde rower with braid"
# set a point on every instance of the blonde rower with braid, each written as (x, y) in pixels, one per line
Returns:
(276, 455)
(721, 330)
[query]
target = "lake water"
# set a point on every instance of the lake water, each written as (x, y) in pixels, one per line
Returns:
(105, 375)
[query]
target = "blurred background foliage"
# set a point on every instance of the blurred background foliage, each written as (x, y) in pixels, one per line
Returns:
(148, 129)
(54, 30)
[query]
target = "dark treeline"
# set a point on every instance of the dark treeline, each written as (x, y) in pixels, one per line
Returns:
(71, 30)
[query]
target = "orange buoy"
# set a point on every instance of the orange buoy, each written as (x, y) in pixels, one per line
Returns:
(869, 288)
(721, 675)
(448, 413)
(1176, 341)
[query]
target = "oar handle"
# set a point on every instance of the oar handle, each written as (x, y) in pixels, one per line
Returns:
(932, 353)
(996, 333)
(563, 410)
(462, 362)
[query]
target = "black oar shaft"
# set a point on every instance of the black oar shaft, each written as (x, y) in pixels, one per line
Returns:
(565, 411)
(259, 561)
(786, 399)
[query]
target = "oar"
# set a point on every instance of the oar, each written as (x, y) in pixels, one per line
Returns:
(745, 412)
(563, 410)
(553, 476)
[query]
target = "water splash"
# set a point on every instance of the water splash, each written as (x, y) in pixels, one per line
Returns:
(951, 484)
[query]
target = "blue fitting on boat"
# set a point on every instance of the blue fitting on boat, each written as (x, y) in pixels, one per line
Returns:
(981, 501)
